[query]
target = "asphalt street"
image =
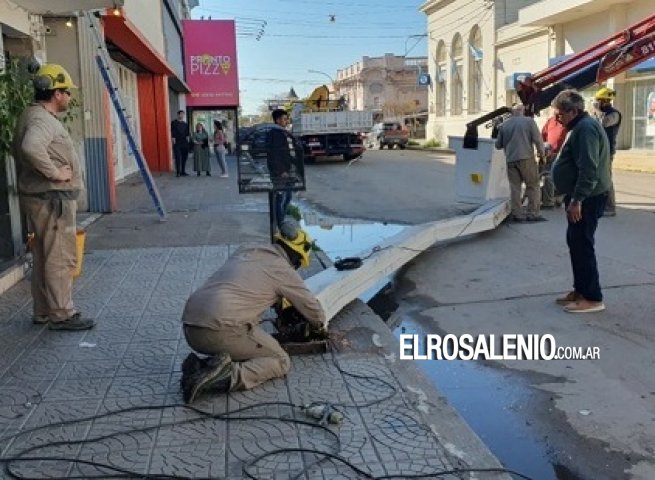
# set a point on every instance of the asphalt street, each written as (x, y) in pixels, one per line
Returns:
(594, 418)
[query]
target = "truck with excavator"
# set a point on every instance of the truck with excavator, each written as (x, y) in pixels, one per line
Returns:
(326, 128)
(581, 70)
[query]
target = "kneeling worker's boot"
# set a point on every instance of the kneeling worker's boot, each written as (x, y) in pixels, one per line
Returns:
(215, 376)
(191, 364)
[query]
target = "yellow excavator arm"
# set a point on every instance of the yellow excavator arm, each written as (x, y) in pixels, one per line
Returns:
(318, 101)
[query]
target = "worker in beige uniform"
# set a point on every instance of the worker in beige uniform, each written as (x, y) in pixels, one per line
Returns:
(221, 318)
(49, 183)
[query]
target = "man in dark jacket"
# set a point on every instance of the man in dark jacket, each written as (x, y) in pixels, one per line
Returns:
(278, 150)
(180, 137)
(582, 173)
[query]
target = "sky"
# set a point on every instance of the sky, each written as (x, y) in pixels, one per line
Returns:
(303, 35)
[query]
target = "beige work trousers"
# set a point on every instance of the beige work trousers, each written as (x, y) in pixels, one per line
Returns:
(54, 256)
(256, 356)
(524, 171)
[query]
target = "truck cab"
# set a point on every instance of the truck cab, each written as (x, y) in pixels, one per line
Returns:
(388, 134)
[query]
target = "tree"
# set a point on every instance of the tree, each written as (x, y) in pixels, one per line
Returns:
(16, 93)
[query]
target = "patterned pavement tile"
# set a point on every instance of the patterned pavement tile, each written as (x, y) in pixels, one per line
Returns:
(107, 323)
(102, 350)
(194, 459)
(149, 385)
(132, 360)
(65, 390)
(104, 453)
(37, 365)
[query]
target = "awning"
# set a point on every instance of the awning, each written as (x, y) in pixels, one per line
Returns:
(178, 85)
(122, 33)
(59, 7)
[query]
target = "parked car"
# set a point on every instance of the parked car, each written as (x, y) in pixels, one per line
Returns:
(252, 142)
(388, 134)
(255, 138)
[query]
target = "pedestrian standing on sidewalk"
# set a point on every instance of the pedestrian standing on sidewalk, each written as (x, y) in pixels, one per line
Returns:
(49, 184)
(553, 134)
(201, 150)
(278, 158)
(219, 147)
(229, 136)
(518, 137)
(222, 318)
(610, 119)
(180, 138)
(582, 173)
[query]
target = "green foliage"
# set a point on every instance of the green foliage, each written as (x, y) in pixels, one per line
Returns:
(73, 112)
(16, 93)
(294, 212)
(432, 143)
(413, 143)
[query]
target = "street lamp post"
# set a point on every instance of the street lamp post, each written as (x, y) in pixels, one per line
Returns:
(418, 37)
(322, 73)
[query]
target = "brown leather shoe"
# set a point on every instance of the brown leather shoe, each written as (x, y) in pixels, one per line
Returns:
(584, 306)
(568, 298)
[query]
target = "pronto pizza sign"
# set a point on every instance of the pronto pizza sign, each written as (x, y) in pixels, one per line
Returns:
(211, 63)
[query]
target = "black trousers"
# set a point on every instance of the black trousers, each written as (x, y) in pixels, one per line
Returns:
(181, 153)
(580, 239)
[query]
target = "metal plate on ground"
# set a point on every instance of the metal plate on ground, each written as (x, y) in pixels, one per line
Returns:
(306, 348)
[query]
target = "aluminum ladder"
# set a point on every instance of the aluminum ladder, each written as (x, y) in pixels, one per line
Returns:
(109, 76)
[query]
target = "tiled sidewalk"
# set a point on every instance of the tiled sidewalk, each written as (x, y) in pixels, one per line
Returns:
(132, 358)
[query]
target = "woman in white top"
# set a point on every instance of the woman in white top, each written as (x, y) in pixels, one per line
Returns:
(219, 147)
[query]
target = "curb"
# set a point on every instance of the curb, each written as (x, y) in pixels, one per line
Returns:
(87, 221)
(431, 149)
(634, 169)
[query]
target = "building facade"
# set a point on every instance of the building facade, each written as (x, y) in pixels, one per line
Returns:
(477, 48)
(386, 85)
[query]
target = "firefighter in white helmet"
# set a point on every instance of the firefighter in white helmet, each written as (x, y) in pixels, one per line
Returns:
(49, 183)
(222, 318)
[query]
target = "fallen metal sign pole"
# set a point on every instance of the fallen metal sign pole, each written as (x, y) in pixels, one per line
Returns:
(335, 289)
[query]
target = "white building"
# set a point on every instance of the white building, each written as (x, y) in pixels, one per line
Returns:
(386, 85)
(477, 47)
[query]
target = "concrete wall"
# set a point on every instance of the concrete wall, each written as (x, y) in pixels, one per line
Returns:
(507, 11)
(173, 44)
(518, 50)
(61, 44)
(147, 17)
(14, 17)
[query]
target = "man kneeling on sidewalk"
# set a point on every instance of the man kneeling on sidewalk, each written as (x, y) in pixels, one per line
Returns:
(222, 318)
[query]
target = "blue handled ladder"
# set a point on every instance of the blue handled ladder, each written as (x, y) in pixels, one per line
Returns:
(106, 71)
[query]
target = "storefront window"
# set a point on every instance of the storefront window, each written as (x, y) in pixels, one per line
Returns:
(643, 115)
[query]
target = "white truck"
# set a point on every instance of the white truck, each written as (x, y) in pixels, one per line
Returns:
(326, 131)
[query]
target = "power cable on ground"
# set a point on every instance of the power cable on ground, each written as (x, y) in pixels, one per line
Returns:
(119, 472)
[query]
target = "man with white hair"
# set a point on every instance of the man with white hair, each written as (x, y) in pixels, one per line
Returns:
(518, 137)
(582, 173)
